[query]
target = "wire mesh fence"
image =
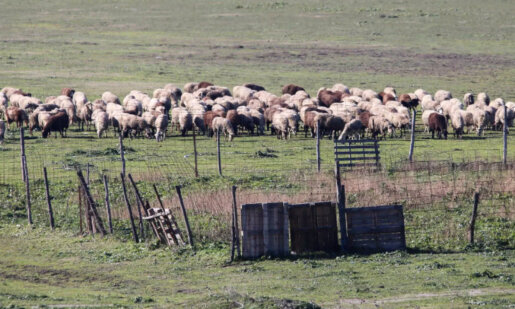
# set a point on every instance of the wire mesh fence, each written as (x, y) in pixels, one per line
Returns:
(437, 194)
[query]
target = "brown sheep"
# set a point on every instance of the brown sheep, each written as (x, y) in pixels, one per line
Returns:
(438, 123)
(407, 101)
(254, 87)
(17, 115)
(385, 97)
(214, 94)
(364, 117)
(68, 92)
(208, 122)
(292, 89)
(58, 123)
(204, 85)
(234, 118)
(328, 97)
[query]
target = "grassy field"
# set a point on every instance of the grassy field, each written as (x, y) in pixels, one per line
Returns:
(94, 46)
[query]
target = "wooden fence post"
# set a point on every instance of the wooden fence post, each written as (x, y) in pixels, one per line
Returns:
(122, 153)
(49, 203)
(27, 190)
(22, 153)
(139, 202)
(142, 203)
(473, 218)
(236, 227)
(188, 229)
(108, 205)
(318, 145)
(195, 152)
(505, 137)
(218, 154)
(340, 196)
(412, 144)
(134, 233)
(81, 231)
(91, 204)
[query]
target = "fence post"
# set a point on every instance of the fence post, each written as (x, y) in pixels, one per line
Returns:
(188, 229)
(49, 203)
(219, 157)
(340, 195)
(27, 190)
(134, 233)
(473, 218)
(80, 209)
(412, 144)
(108, 205)
(236, 235)
(22, 153)
(91, 204)
(505, 137)
(318, 145)
(195, 151)
(122, 153)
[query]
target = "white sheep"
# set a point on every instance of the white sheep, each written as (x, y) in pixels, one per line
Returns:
(224, 126)
(352, 130)
(110, 97)
(499, 117)
(425, 118)
(79, 99)
(101, 120)
(457, 122)
(420, 93)
(442, 95)
(369, 94)
(161, 123)
(468, 99)
(281, 126)
(354, 91)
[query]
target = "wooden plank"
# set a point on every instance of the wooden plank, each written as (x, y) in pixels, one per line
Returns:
(355, 152)
(302, 228)
(375, 229)
(357, 141)
(384, 208)
(252, 231)
(275, 229)
(327, 229)
(355, 147)
(356, 159)
(357, 165)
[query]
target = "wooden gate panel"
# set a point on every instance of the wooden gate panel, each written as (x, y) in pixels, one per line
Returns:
(252, 231)
(302, 228)
(275, 229)
(324, 214)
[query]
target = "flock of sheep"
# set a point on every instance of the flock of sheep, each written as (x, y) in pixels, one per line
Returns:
(340, 112)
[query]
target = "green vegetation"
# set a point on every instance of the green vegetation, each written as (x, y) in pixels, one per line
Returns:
(94, 46)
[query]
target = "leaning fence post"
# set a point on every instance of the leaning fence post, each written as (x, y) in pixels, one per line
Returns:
(318, 145)
(219, 157)
(22, 153)
(134, 233)
(188, 229)
(91, 204)
(412, 144)
(236, 228)
(27, 190)
(195, 152)
(108, 205)
(505, 136)
(122, 153)
(473, 218)
(49, 203)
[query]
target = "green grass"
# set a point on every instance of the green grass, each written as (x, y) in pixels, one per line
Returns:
(94, 46)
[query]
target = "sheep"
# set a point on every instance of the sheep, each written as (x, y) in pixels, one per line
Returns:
(204, 85)
(379, 125)
(385, 97)
(39, 118)
(259, 121)
(208, 121)
(243, 93)
(110, 97)
(425, 119)
(134, 107)
(479, 118)
(69, 92)
(79, 99)
(150, 118)
(482, 99)
(281, 126)
(17, 115)
(254, 87)
(190, 87)
(293, 120)
(457, 123)
(353, 129)
(2, 131)
(9, 91)
(369, 94)
(438, 123)
(101, 120)
(447, 106)
(328, 97)
(223, 125)
(420, 93)
(84, 115)
(100, 104)
(428, 104)
(340, 87)
(499, 117)
(291, 89)
(161, 124)
(58, 123)
(132, 125)
(442, 95)
(112, 108)
(408, 101)
(3, 102)
(333, 125)
(176, 93)
(468, 99)
(256, 105)
(182, 119)
(354, 91)
(391, 91)
(68, 106)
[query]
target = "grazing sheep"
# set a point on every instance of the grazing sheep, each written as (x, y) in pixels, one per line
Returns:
(223, 125)
(161, 124)
(457, 123)
(442, 95)
(429, 104)
(420, 93)
(101, 120)
(353, 130)
(84, 115)
(332, 125)
(182, 120)
(69, 92)
(254, 87)
(356, 91)
(259, 121)
(190, 87)
(243, 93)
(482, 99)
(425, 119)
(340, 87)
(391, 91)
(2, 131)
(134, 107)
(408, 101)
(292, 89)
(280, 125)
(468, 99)
(479, 118)
(79, 99)
(203, 85)
(68, 106)
(437, 123)
(112, 108)
(57, 123)
(369, 94)
(131, 125)
(110, 97)
(17, 115)
(9, 91)
(499, 117)
(328, 97)
(379, 125)
(99, 104)
(39, 118)
(385, 97)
